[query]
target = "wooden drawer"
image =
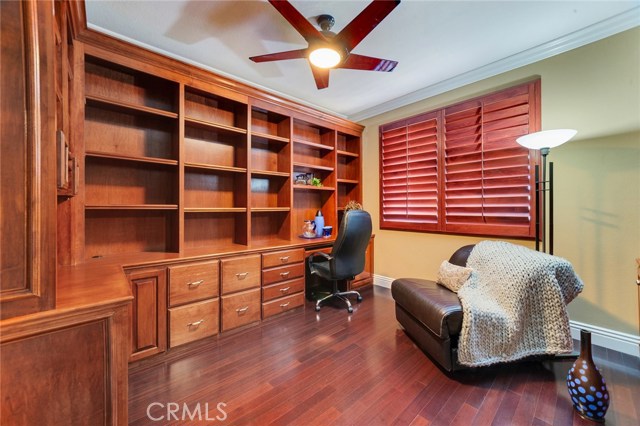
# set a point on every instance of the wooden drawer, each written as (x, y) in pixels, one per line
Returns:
(240, 273)
(282, 305)
(193, 282)
(288, 272)
(194, 321)
(284, 288)
(240, 309)
(284, 257)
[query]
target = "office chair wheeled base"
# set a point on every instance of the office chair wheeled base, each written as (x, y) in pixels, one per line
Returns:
(342, 296)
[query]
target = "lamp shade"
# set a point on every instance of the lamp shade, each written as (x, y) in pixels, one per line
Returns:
(546, 138)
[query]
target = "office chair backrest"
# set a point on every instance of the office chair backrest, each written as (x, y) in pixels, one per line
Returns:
(350, 245)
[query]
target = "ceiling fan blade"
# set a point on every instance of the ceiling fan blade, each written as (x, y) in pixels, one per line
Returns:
(280, 56)
(367, 63)
(299, 22)
(365, 22)
(321, 75)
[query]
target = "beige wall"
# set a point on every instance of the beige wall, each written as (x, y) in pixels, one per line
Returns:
(596, 90)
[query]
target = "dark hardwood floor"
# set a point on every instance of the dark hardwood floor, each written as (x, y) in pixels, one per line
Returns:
(331, 368)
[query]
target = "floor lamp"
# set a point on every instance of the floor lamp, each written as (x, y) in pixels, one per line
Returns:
(544, 141)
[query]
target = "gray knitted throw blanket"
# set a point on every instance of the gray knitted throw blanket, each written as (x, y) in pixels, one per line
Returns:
(514, 304)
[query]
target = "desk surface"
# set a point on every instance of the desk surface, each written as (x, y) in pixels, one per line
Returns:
(102, 280)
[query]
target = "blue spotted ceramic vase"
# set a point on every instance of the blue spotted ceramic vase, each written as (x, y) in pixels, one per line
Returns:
(587, 388)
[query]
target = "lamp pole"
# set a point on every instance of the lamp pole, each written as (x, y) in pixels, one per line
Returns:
(544, 141)
(543, 222)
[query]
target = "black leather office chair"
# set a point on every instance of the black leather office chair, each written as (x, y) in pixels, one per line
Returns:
(347, 256)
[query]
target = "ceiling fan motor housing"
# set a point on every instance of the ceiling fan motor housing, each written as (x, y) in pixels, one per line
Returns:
(326, 22)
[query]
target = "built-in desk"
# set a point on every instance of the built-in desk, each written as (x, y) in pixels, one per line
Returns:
(177, 298)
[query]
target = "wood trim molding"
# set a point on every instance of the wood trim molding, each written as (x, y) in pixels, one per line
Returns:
(189, 72)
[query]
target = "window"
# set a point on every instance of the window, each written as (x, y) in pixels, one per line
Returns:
(460, 170)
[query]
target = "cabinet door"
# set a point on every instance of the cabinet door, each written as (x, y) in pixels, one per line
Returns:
(148, 313)
(27, 150)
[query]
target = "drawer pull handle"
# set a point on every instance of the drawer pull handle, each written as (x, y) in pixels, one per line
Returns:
(195, 324)
(284, 305)
(284, 274)
(284, 259)
(195, 283)
(284, 290)
(241, 311)
(242, 275)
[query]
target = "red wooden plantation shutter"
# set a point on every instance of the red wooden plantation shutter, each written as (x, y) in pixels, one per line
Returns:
(409, 173)
(460, 170)
(488, 176)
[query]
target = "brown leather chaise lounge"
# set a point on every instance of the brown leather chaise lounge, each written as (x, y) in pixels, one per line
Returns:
(431, 314)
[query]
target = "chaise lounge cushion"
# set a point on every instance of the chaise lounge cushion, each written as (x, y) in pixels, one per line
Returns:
(435, 307)
(431, 314)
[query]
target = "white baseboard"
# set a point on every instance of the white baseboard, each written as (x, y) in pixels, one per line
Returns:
(382, 281)
(610, 339)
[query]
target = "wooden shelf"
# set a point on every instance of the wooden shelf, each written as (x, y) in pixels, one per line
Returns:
(215, 168)
(314, 145)
(347, 154)
(103, 102)
(349, 181)
(269, 137)
(269, 173)
(215, 209)
(150, 160)
(210, 125)
(313, 188)
(132, 207)
(313, 166)
(269, 209)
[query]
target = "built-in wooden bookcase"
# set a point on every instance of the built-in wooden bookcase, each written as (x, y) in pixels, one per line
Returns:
(131, 160)
(174, 165)
(348, 170)
(270, 175)
(314, 152)
(215, 170)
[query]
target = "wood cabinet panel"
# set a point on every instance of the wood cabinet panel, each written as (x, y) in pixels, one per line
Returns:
(62, 367)
(283, 257)
(216, 109)
(366, 276)
(27, 151)
(78, 372)
(109, 183)
(281, 305)
(148, 313)
(118, 132)
(281, 273)
(193, 322)
(240, 309)
(284, 288)
(240, 273)
(193, 282)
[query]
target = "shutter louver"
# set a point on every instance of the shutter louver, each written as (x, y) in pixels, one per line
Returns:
(409, 174)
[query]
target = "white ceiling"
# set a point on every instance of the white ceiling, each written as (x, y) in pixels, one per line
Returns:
(439, 45)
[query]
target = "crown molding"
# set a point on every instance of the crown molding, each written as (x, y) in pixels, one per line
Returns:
(117, 36)
(603, 29)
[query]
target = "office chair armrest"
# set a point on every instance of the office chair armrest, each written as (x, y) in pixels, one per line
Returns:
(315, 255)
(319, 253)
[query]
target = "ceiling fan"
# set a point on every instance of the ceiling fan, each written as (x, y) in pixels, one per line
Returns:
(328, 50)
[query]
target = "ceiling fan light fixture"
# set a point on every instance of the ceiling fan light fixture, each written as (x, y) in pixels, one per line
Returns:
(325, 57)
